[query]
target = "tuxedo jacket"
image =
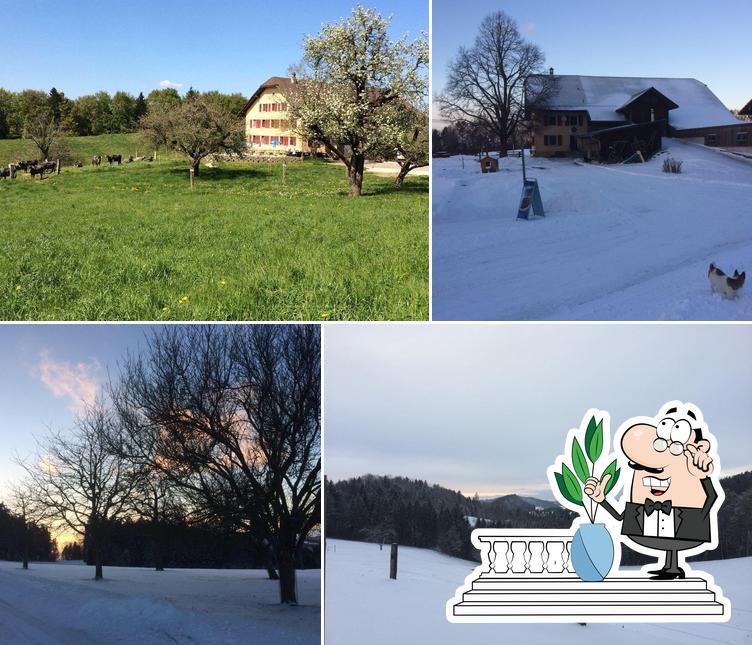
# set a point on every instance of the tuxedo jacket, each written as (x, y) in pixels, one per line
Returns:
(689, 523)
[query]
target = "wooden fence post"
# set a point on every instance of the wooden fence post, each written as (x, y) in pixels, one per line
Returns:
(284, 172)
(393, 562)
(192, 175)
(57, 167)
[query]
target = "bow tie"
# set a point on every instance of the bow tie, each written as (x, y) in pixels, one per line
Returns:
(651, 506)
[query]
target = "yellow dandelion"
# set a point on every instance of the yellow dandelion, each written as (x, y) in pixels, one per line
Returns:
(18, 287)
(222, 283)
(325, 315)
(183, 300)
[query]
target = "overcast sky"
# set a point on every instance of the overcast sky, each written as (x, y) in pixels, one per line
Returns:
(486, 408)
(686, 39)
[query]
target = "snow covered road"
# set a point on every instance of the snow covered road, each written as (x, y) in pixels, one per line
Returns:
(618, 242)
(362, 600)
(60, 603)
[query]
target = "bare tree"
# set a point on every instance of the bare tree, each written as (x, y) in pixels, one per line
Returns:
(23, 503)
(351, 75)
(195, 128)
(232, 416)
(44, 131)
(486, 82)
(80, 482)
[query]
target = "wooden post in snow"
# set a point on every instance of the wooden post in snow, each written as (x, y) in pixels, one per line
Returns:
(393, 562)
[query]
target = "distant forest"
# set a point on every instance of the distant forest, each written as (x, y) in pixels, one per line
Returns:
(133, 544)
(95, 114)
(414, 513)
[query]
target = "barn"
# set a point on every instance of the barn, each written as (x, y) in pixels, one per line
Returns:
(608, 118)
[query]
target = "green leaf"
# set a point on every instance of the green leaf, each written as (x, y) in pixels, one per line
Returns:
(611, 470)
(572, 485)
(594, 440)
(563, 488)
(579, 462)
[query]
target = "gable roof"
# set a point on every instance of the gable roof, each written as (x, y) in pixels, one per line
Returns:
(282, 82)
(671, 105)
(747, 109)
(601, 96)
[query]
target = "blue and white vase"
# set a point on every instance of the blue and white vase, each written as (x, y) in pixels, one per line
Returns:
(592, 552)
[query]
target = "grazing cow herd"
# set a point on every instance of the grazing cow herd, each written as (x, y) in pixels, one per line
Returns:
(36, 168)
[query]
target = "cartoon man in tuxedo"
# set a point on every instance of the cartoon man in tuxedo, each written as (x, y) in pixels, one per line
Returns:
(672, 492)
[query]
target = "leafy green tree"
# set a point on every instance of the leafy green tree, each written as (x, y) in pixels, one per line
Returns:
(141, 107)
(351, 75)
(6, 107)
(82, 115)
(123, 112)
(195, 129)
(164, 99)
(232, 103)
(101, 122)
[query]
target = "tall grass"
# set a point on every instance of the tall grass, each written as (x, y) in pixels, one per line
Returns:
(135, 243)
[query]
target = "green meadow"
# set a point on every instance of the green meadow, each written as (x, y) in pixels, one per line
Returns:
(135, 243)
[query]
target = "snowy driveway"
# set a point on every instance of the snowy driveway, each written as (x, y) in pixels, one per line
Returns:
(618, 242)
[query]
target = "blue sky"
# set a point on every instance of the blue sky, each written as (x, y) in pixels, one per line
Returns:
(45, 372)
(691, 38)
(486, 408)
(85, 46)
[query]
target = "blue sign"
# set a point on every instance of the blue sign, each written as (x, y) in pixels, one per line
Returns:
(531, 197)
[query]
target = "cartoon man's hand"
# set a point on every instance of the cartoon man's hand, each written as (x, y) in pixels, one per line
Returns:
(699, 462)
(596, 490)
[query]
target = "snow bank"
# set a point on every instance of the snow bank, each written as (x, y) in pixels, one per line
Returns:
(62, 604)
(361, 600)
(618, 242)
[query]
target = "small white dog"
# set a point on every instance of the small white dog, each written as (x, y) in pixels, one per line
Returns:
(721, 283)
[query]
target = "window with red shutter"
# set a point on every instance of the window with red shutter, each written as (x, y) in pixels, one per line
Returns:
(266, 140)
(292, 141)
(284, 141)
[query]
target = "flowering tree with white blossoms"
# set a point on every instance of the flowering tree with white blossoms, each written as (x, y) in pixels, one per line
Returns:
(351, 77)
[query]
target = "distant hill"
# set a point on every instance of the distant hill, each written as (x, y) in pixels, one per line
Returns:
(416, 513)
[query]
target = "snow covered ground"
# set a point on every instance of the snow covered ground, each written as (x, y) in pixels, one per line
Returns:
(55, 603)
(619, 242)
(361, 600)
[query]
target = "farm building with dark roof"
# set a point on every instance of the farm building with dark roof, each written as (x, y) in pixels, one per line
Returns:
(610, 117)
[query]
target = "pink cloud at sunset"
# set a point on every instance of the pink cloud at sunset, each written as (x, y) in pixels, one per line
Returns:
(78, 382)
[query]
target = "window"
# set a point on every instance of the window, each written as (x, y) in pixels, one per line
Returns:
(742, 138)
(285, 141)
(711, 139)
(265, 140)
(292, 141)
(551, 139)
(579, 119)
(256, 138)
(274, 107)
(275, 123)
(283, 107)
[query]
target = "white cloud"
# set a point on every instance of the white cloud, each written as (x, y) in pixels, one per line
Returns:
(78, 382)
(167, 83)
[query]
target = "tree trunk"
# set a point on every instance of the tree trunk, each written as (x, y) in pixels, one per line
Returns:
(195, 165)
(287, 591)
(97, 557)
(404, 169)
(355, 174)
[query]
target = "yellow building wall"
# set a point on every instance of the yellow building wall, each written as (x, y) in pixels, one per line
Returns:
(255, 114)
(565, 131)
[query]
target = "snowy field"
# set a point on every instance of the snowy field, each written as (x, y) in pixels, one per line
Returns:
(619, 242)
(62, 604)
(360, 599)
